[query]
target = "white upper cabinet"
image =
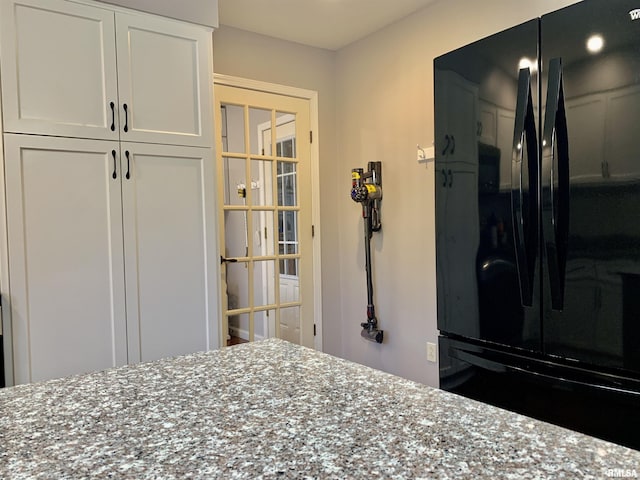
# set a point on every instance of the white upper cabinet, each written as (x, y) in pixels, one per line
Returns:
(60, 58)
(58, 64)
(165, 85)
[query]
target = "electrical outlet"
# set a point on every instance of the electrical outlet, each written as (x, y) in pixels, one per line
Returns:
(432, 352)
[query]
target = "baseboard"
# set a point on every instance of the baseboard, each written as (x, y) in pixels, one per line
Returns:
(243, 334)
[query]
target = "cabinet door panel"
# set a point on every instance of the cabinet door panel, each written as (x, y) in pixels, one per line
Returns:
(165, 78)
(58, 69)
(66, 258)
(168, 219)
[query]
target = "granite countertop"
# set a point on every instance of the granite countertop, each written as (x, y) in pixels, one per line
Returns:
(272, 409)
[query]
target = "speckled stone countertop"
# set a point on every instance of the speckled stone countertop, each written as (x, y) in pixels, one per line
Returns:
(271, 409)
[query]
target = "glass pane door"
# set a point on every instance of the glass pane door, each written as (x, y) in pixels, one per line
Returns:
(263, 163)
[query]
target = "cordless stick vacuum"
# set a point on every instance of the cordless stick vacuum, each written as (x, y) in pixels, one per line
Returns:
(366, 188)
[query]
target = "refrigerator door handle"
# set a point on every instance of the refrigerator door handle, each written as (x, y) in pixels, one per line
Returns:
(555, 184)
(523, 190)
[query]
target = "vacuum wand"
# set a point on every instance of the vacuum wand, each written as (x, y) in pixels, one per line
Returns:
(366, 189)
(370, 327)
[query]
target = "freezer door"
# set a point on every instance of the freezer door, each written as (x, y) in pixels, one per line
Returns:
(487, 169)
(591, 183)
(592, 402)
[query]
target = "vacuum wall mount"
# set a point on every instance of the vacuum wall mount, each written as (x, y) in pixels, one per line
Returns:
(366, 188)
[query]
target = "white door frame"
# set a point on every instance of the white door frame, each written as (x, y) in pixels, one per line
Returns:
(312, 97)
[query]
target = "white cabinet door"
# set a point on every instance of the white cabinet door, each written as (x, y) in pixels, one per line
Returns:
(59, 74)
(169, 224)
(64, 222)
(165, 81)
(58, 69)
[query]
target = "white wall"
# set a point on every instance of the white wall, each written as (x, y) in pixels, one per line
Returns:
(376, 103)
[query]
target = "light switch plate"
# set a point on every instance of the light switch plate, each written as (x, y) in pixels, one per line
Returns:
(426, 154)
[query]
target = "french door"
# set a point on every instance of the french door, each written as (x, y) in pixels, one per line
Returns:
(264, 173)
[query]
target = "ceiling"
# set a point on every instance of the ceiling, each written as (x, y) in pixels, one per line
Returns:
(329, 24)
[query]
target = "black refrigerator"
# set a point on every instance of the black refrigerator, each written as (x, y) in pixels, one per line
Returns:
(537, 181)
